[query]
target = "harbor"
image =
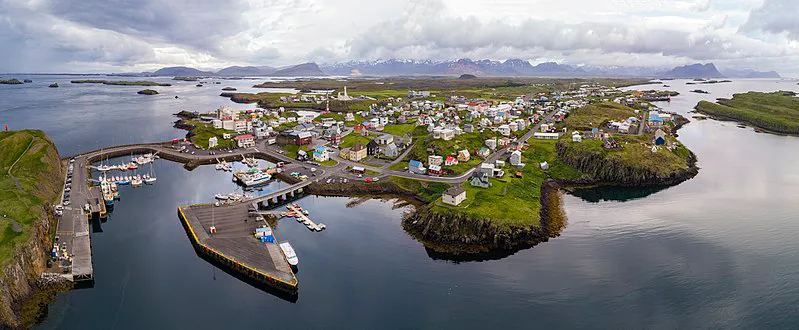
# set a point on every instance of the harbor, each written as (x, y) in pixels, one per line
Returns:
(231, 232)
(229, 235)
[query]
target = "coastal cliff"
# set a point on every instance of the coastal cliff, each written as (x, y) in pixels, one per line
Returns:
(455, 234)
(602, 169)
(31, 181)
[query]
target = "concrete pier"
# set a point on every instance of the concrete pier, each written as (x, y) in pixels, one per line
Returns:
(234, 245)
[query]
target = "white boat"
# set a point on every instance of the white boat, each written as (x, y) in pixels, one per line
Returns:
(136, 181)
(150, 178)
(291, 256)
(253, 179)
(104, 168)
(221, 197)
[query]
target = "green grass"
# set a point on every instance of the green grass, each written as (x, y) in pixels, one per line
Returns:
(776, 112)
(424, 142)
(523, 194)
(39, 174)
(352, 139)
(427, 191)
(292, 150)
(338, 116)
(203, 132)
(598, 115)
(329, 162)
(399, 129)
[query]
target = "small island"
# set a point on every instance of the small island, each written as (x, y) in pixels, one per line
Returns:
(186, 78)
(776, 112)
(699, 91)
(11, 82)
(27, 81)
(147, 92)
(119, 83)
(228, 89)
(53, 85)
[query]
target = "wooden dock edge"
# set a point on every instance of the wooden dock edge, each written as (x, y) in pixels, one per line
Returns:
(243, 269)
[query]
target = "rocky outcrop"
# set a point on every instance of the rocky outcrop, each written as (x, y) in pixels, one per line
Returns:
(452, 235)
(615, 172)
(19, 278)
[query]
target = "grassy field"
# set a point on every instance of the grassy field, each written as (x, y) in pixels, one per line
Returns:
(425, 143)
(522, 193)
(337, 116)
(775, 112)
(635, 154)
(427, 191)
(292, 150)
(597, 115)
(38, 169)
(399, 129)
(202, 132)
(352, 139)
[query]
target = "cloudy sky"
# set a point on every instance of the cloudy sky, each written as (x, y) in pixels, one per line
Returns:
(132, 36)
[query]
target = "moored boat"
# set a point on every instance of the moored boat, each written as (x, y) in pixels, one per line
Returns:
(288, 251)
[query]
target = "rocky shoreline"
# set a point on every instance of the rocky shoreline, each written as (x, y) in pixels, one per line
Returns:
(22, 277)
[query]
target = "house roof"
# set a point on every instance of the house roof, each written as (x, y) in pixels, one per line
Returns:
(358, 147)
(455, 191)
(414, 163)
(245, 136)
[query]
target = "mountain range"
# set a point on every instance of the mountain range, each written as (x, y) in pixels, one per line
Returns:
(510, 67)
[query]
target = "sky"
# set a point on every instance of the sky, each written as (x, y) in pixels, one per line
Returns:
(144, 35)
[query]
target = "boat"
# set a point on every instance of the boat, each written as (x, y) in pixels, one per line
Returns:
(136, 181)
(150, 178)
(221, 197)
(104, 168)
(252, 179)
(288, 251)
(132, 166)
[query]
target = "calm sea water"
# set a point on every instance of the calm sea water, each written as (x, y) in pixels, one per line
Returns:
(718, 251)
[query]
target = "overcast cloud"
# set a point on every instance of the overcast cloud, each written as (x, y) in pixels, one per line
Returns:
(118, 36)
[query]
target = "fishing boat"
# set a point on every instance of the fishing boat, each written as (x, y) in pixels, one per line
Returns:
(123, 181)
(253, 178)
(221, 197)
(288, 251)
(132, 166)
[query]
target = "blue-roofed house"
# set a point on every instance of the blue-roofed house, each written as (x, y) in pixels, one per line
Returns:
(660, 137)
(654, 119)
(416, 167)
(320, 154)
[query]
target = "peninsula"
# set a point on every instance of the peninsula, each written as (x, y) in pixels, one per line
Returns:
(31, 179)
(776, 112)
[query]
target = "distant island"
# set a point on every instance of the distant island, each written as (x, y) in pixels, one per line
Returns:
(119, 83)
(11, 82)
(186, 78)
(699, 91)
(147, 92)
(694, 71)
(53, 85)
(228, 89)
(776, 112)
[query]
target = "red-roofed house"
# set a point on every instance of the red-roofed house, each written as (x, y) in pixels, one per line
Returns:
(245, 141)
(451, 161)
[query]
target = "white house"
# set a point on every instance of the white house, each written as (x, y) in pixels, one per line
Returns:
(447, 134)
(385, 139)
(491, 144)
(516, 159)
(576, 137)
(488, 169)
(504, 130)
(435, 160)
(546, 136)
(213, 142)
(391, 150)
(454, 196)
(245, 141)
